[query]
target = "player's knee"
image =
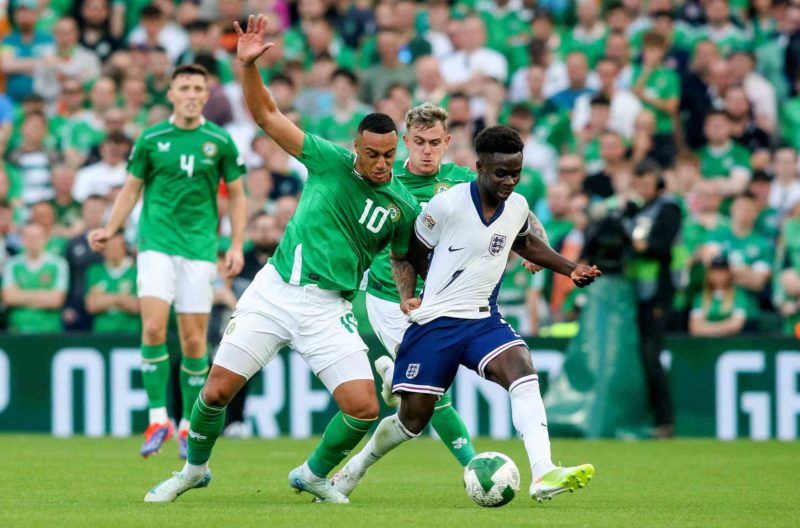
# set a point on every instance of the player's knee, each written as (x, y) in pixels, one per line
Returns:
(153, 333)
(362, 408)
(415, 419)
(216, 395)
(194, 346)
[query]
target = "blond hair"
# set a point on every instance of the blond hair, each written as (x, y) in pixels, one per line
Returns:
(426, 116)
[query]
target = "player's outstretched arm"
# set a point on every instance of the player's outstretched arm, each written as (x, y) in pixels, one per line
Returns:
(537, 229)
(535, 250)
(123, 205)
(237, 210)
(259, 101)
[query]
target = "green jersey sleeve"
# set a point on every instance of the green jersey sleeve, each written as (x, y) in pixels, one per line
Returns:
(321, 156)
(232, 163)
(139, 161)
(402, 235)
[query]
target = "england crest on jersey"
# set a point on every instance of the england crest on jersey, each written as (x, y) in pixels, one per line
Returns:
(412, 370)
(497, 244)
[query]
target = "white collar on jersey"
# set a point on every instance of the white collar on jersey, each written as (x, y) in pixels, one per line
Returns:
(172, 120)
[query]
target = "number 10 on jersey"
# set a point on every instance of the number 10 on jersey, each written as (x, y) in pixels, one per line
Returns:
(376, 220)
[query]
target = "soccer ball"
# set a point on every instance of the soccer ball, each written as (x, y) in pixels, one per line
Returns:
(491, 479)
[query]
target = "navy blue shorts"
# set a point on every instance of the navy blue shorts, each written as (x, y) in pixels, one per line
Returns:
(429, 356)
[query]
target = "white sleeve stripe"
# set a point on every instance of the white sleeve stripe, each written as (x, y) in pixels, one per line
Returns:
(422, 238)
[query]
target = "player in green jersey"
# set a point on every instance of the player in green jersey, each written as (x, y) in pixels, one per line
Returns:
(178, 164)
(351, 208)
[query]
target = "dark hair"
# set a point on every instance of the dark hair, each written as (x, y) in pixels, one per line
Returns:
(198, 25)
(521, 110)
(150, 11)
(653, 39)
(746, 194)
(190, 69)
(647, 167)
(117, 137)
(717, 113)
(498, 139)
(347, 74)
(599, 100)
(95, 196)
(377, 123)
(282, 78)
(208, 62)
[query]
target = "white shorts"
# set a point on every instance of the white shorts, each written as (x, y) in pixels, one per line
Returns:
(318, 324)
(388, 321)
(189, 283)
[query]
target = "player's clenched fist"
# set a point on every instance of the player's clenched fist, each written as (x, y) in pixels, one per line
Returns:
(98, 238)
(410, 304)
(584, 275)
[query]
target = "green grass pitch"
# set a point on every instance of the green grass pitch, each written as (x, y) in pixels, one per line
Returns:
(101, 482)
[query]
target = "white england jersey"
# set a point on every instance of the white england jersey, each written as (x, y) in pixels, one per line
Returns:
(470, 253)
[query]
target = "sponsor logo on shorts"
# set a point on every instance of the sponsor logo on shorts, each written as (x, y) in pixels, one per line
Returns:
(412, 370)
(497, 244)
(428, 221)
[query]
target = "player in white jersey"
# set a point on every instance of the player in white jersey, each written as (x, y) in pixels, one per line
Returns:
(461, 244)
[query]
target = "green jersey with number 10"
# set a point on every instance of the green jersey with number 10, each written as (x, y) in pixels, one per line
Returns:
(181, 169)
(380, 282)
(341, 222)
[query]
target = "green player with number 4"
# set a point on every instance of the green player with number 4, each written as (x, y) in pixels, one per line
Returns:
(178, 164)
(351, 208)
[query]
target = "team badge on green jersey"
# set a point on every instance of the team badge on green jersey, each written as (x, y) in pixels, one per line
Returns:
(394, 212)
(441, 187)
(210, 149)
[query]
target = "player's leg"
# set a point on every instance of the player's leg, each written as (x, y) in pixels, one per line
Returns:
(390, 325)
(250, 342)
(192, 330)
(156, 290)
(500, 356)
(421, 378)
(194, 297)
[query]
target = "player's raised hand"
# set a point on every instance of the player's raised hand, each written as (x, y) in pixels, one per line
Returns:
(251, 42)
(409, 305)
(584, 275)
(234, 262)
(98, 238)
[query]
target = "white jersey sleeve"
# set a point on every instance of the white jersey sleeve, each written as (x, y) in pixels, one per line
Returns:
(430, 222)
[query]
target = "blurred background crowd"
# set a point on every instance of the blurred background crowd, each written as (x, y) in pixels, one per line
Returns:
(709, 90)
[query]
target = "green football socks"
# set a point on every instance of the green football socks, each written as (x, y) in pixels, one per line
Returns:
(341, 436)
(451, 429)
(155, 373)
(204, 429)
(192, 378)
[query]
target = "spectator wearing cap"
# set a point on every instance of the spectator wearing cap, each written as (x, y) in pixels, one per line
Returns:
(23, 50)
(390, 70)
(35, 285)
(623, 105)
(745, 130)
(785, 191)
(97, 33)
(722, 160)
(155, 29)
(69, 60)
(720, 310)
(719, 28)
(101, 177)
(464, 68)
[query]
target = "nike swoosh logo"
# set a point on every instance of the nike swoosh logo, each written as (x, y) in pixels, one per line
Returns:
(451, 248)
(544, 424)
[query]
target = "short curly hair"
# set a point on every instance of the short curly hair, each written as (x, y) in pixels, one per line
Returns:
(498, 140)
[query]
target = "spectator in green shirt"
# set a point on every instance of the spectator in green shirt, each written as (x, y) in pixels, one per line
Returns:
(111, 291)
(341, 124)
(35, 285)
(720, 309)
(722, 160)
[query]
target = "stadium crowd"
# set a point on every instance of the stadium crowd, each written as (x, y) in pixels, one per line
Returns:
(707, 89)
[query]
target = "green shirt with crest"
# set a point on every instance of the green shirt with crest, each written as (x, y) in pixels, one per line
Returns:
(120, 280)
(51, 273)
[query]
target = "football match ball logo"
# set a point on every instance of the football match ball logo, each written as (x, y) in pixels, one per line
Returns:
(209, 149)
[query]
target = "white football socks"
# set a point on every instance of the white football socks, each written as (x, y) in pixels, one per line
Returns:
(389, 434)
(191, 471)
(530, 419)
(158, 415)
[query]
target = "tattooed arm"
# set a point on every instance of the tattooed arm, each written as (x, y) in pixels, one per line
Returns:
(405, 269)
